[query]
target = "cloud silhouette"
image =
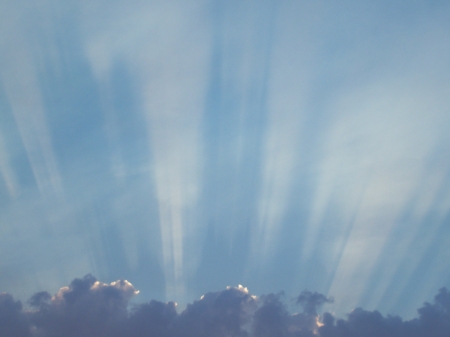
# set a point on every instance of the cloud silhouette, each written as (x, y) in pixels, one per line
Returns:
(312, 301)
(12, 320)
(153, 319)
(88, 308)
(433, 320)
(271, 318)
(85, 308)
(224, 313)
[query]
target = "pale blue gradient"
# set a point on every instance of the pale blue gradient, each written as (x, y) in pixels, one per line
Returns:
(190, 145)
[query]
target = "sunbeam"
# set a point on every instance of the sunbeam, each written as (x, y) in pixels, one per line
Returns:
(192, 145)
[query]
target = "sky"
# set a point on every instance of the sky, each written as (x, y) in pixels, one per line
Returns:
(187, 146)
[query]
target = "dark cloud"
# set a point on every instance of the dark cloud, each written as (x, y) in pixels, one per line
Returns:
(433, 320)
(40, 300)
(153, 319)
(88, 308)
(271, 318)
(363, 323)
(224, 313)
(12, 320)
(85, 308)
(312, 301)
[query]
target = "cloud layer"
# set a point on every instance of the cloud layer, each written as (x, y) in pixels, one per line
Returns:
(88, 308)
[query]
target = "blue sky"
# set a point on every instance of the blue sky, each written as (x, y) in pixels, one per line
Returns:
(191, 145)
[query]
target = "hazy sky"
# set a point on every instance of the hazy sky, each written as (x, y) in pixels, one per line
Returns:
(190, 145)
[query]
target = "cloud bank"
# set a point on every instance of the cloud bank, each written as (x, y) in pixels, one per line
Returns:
(88, 308)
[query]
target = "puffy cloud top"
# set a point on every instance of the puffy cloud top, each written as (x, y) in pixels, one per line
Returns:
(88, 308)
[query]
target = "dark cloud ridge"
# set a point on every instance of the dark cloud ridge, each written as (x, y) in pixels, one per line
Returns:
(89, 308)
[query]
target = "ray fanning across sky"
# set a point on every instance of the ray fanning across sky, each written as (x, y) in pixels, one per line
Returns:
(192, 145)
